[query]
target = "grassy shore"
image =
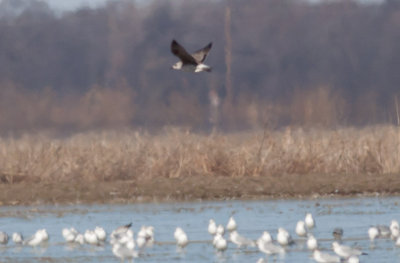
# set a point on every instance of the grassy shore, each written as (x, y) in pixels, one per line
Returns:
(167, 159)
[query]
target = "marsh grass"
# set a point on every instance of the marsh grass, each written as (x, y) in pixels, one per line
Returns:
(176, 153)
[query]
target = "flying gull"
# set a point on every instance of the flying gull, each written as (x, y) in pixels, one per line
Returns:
(190, 62)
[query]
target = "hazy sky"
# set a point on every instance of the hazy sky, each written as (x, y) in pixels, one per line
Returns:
(73, 4)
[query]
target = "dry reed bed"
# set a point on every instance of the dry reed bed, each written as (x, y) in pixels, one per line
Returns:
(125, 155)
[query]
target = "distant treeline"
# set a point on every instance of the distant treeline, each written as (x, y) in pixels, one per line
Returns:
(293, 63)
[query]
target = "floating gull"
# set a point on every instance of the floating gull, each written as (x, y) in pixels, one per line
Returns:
(190, 62)
(240, 240)
(141, 237)
(145, 236)
(231, 226)
(91, 237)
(337, 233)
(3, 238)
(215, 238)
(180, 237)
(120, 233)
(373, 232)
(345, 251)
(309, 220)
(312, 242)
(38, 238)
(301, 229)
(17, 238)
(394, 229)
(220, 243)
(100, 233)
(141, 241)
(395, 233)
(69, 234)
(321, 257)
(123, 244)
(125, 250)
(150, 233)
(79, 239)
(212, 227)
(268, 247)
(283, 237)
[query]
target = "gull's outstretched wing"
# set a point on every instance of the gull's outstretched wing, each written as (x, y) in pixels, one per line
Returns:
(182, 54)
(200, 55)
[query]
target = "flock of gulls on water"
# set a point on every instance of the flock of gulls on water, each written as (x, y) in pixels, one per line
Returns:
(125, 246)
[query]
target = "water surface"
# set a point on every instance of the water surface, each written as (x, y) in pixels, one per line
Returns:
(354, 215)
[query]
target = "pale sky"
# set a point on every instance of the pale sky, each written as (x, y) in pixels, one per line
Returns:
(64, 5)
(73, 4)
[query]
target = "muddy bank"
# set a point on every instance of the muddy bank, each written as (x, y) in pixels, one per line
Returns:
(197, 188)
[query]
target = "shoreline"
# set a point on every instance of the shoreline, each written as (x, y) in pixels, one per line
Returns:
(199, 188)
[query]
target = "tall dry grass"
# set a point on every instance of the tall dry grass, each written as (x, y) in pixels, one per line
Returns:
(122, 155)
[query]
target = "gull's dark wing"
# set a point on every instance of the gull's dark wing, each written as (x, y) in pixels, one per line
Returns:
(182, 54)
(200, 55)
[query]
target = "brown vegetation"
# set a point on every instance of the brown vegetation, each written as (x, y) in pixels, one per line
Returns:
(174, 153)
(326, 157)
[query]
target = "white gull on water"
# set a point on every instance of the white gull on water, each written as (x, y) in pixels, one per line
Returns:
(38, 238)
(239, 240)
(301, 229)
(17, 238)
(181, 238)
(309, 220)
(220, 243)
(345, 251)
(283, 237)
(231, 225)
(212, 227)
(265, 245)
(312, 242)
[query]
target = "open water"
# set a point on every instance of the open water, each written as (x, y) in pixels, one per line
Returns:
(354, 215)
